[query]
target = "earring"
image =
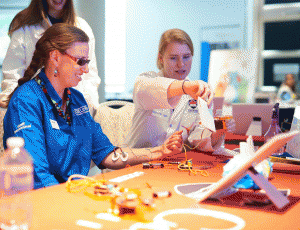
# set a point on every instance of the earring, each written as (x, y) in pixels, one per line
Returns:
(55, 73)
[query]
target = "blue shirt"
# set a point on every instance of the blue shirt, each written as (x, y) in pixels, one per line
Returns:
(58, 150)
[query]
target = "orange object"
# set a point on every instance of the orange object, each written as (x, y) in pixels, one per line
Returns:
(223, 119)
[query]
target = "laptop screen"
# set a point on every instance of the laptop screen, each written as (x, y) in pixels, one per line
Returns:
(243, 115)
(286, 118)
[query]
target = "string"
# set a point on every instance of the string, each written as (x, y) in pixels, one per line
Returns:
(180, 165)
(75, 186)
(141, 156)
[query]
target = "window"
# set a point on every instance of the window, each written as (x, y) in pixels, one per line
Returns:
(278, 35)
(275, 70)
(281, 35)
(267, 2)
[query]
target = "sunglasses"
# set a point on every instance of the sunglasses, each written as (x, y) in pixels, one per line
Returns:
(79, 61)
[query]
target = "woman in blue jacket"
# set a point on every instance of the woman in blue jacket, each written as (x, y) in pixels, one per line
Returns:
(54, 119)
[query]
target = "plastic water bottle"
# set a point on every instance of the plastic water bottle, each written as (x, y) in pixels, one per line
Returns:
(274, 128)
(16, 177)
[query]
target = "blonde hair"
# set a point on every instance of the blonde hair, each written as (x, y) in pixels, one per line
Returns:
(173, 35)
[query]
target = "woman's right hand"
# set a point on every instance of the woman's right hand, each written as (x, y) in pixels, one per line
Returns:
(3, 104)
(173, 145)
(197, 89)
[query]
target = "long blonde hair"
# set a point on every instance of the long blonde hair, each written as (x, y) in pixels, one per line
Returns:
(61, 37)
(169, 36)
(37, 12)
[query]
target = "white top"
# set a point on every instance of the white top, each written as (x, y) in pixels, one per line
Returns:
(20, 52)
(285, 93)
(156, 118)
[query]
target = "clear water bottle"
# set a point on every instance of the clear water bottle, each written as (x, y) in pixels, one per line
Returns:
(16, 177)
(274, 128)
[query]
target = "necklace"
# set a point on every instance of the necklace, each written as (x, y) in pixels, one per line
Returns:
(60, 111)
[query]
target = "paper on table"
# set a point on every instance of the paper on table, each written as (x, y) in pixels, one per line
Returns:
(255, 129)
(251, 145)
(292, 146)
(207, 119)
(262, 153)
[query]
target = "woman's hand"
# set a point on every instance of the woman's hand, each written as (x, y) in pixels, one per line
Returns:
(3, 104)
(198, 89)
(173, 144)
(221, 86)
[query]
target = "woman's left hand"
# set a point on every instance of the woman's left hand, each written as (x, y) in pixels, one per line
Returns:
(197, 89)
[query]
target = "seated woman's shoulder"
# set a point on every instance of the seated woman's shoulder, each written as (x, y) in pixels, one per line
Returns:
(26, 89)
(149, 74)
(26, 94)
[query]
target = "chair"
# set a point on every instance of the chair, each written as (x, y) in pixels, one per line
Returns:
(2, 114)
(115, 118)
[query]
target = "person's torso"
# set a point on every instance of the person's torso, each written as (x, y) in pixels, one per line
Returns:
(153, 127)
(68, 147)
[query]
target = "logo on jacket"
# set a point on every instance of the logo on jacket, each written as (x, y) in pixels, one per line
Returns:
(81, 110)
(193, 103)
(22, 126)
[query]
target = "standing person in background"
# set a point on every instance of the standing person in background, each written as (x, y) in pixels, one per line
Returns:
(25, 30)
(287, 91)
(166, 102)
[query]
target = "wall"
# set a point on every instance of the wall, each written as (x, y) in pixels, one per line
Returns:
(94, 14)
(146, 20)
(14, 3)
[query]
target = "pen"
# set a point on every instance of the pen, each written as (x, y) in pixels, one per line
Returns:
(292, 158)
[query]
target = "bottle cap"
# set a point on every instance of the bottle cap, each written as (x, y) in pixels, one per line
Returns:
(15, 142)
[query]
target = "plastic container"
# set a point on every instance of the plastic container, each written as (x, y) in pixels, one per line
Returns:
(16, 177)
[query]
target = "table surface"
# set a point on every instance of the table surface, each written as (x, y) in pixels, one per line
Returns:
(56, 208)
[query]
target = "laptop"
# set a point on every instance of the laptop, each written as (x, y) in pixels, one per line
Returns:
(243, 114)
(217, 104)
